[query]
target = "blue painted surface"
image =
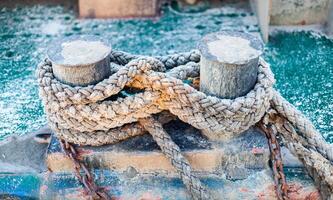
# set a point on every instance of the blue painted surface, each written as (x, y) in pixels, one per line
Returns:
(25, 186)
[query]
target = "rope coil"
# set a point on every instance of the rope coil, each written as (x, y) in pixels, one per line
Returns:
(83, 110)
(97, 114)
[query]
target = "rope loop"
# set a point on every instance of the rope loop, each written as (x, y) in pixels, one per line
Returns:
(88, 109)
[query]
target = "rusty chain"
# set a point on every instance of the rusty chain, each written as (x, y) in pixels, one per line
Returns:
(281, 187)
(87, 179)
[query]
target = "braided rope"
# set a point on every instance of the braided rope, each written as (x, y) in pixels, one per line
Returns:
(172, 151)
(304, 126)
(85, 110)
(98, 114)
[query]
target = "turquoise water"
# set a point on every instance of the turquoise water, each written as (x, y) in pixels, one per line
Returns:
(303, 66)
(301, 61)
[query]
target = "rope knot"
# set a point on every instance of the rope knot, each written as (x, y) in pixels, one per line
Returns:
(145, 64)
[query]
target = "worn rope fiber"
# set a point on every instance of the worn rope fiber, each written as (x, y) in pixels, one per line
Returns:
(98, 114)
(85, 110)
(303, 125)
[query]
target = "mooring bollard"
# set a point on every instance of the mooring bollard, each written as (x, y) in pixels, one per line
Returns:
(228, 66)
(80, 60)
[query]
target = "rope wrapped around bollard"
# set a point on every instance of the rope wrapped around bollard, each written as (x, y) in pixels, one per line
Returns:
(99, 114)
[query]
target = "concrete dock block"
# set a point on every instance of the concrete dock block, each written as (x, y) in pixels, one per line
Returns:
(142, 162)
(235, 158)
(248, 151)
(295, 12)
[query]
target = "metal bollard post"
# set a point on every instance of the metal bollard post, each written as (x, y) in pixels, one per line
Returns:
(80, 61)
(228, 66)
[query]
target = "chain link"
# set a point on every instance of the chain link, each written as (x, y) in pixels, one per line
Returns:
(86, 178)
(277, 165)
